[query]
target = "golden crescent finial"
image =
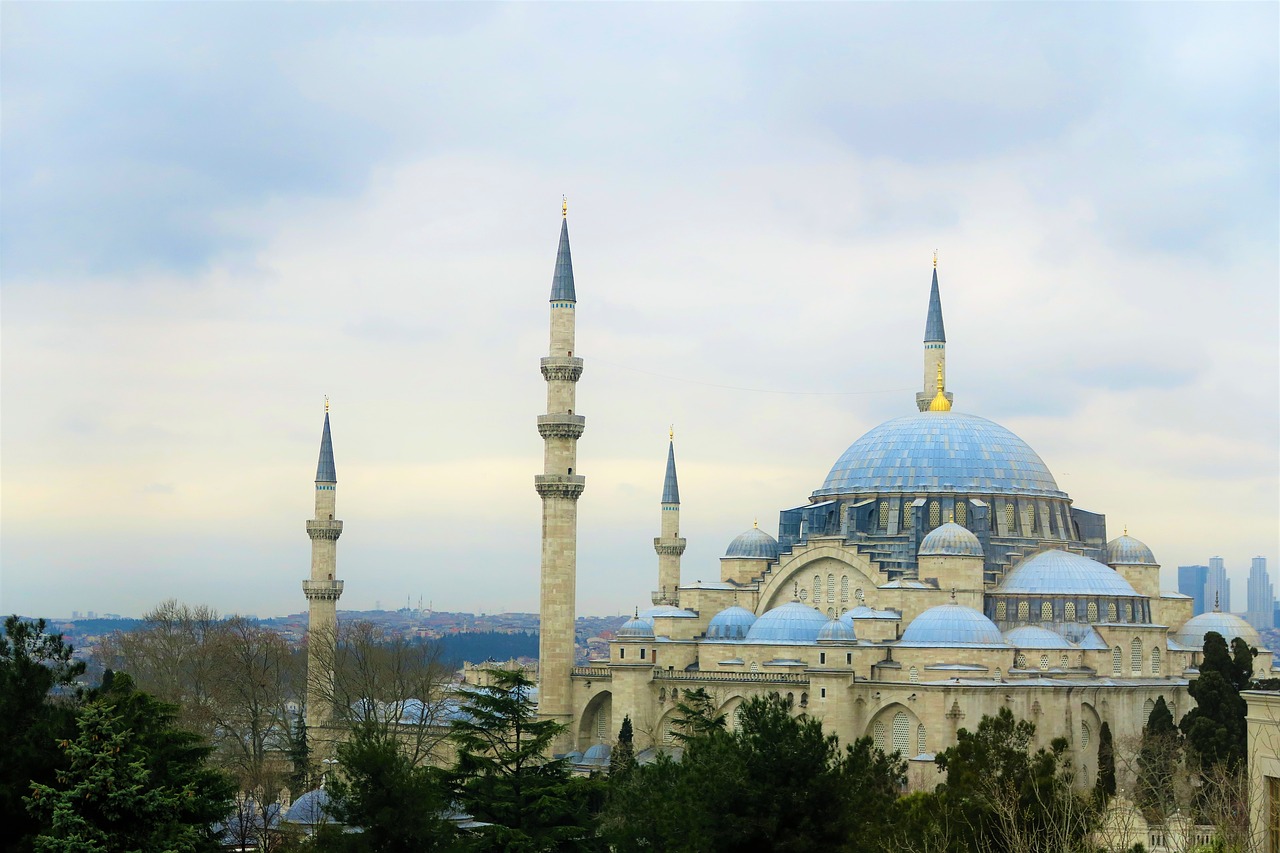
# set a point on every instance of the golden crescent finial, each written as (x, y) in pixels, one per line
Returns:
(671, 433)
(326, 404)
(935, 259)
(755, 525)
(564, 206)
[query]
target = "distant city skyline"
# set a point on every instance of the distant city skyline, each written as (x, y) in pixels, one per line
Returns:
(213, 215)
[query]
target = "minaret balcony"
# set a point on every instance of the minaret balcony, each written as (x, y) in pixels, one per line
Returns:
(561, 425)
(561, 368)
(322, 590)
(669, 547)
(569, 486)
(324, 529)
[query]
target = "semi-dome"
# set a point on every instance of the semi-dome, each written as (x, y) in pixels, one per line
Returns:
(1033, 637)
(940, 452)
(309, 808)
(732, 623)
(950, 540)
(597, 754)
(837, 631)
(755, 544)
(791, 623)
(951, 625)
(635, 629)
(1063, 573)
(1127, 551)
(1228, 625)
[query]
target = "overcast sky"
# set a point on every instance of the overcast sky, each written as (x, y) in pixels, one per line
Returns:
(216, 214)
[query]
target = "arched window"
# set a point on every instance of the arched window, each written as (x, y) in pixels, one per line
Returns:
(884, 515)
(737, 717)
(1046, 611)
(1091, 611)
(901, 733)
(1111, 612)
(1155, 660)
(602, 725)
(913, 675)
(1147, 707)
(1044, 662)
(1024, 611)
(1029, 520)
(804, 595)
(817, 589)
(844, 588)
(906, 516)
(857, 594)
(1117, 658)
(668, 733)
(755, 667)
(962, 512)
(877, 734)
(1128, 612)
(935, 514)
(999, 675)
(831, 613)
(831, 589)
(1135, 655)
(1084, 735)
(1020, 660)
(1069, 611)
(1009, 520)
(1001, 610)
(1064, 662)
(921, 741)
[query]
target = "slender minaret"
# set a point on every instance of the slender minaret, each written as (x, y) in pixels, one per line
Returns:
(322, 590)
(935, 346)
(669, 545)
(559, 487)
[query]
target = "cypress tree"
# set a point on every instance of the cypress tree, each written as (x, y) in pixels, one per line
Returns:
(1215, 728)
(623, 757)
(1106, 763)
(1159, 752)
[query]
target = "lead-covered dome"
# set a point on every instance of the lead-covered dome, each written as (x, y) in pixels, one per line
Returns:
(1034, 637)
(940, 452)
(791, 623)
(950, 540)
(1063, 573)
(951, 625)
(732, 623)
(635, 629)
(837, 631)
(1228, 625)
(755, 544)
(1127, 551)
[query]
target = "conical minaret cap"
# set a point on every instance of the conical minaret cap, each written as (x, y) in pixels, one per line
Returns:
(671, 488)
(562, 280)
(933, 330)
(325, 472)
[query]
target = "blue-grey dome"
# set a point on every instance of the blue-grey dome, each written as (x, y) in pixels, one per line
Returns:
(1063, 573)
(791, 623)
(1228, 625)
(940, 452)
(1127, 551)
(596, 754)
(1033, 637)
(950, 540)
(635, 629)
(309, 808)
(666, 610)
(755, 544)
(732, 623)
(837, 631)
(951, 625)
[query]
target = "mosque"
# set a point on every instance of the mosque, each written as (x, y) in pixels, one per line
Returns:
(937, 574)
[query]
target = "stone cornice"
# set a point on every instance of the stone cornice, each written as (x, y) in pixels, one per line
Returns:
(564, 486)
(561, 425)
(323, 529)
(322, 590)
(561, 368)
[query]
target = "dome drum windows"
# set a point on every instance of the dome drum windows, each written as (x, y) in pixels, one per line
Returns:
(884, 515)
(962, 512)
(1046, 611)
(935, 514)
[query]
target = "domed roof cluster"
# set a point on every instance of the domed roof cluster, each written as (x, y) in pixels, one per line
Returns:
(1127, 551)
(755, 544)
(950, 540)
(951, 625)
(940, 452)
(1063, 573)
(732, 623)
(791, 623)
(1228, 625)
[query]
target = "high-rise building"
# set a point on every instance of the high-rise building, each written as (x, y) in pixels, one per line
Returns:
(1191, 581)
(1217, 589)
(1260, 612)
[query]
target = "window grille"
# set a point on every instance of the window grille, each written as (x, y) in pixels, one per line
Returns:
(1044, 662)
(935, 514)
(1001, 610)
(1147, 707)
(962, 512)
(1135, 655)
(906, 516)
(1063, 662)
(1029, 520)
(1092, 610)
(857, 594)
(668, 734)
(1117, 658)
(1020, 661)
(921, 744)
(1024, 611)
(817, 589)
(844, 588)
(901, 733)
(1046, 611)
(884, 515)
(602, 728)
(1009, 519)
(1128, 613)
(1084, 735)
(913, 675)
(1111, 612)
(831, 589)
(1069, 611)
(1155, 660)
(877, 734)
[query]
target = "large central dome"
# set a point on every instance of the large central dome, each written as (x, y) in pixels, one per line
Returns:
(940, 452)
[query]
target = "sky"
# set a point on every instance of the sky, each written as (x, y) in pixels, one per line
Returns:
(213, 215)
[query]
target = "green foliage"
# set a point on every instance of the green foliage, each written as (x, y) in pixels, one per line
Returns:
(623, 757)
(32, 663)
(696, 716)
(1215, 729)
(776, 783)
(1158, 755)
(299, 754)
(132, 782)
(1106, 785)
(503, 777)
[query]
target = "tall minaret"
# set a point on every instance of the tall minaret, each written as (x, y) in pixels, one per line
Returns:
(559, 487)
(669, 545)
(322, 590)
(935, 346)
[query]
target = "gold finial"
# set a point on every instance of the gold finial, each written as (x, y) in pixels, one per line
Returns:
(953, 595)
(1126, 530)
(795, 591)
(671, 433)
(755, 525)
(951, 516)
(326, 404)
(940, 402)
(564, 206)
(935, 259)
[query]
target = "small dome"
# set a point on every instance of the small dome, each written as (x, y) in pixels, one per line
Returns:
(1127, 551)
(597, 754)
(1063, 573)
(837, 631)
(1033, 637)
(309, 808)
(755, 544)
(1228, 625)
(635, 629)
(952, 625)
(950, 540)
(732, 623)
(666, 610)
(791, 623)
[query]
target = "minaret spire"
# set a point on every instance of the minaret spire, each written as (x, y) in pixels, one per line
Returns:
(669, 546)
(559, 487)
(322, 590)
(935, 345)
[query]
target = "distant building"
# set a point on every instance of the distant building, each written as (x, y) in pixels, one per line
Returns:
(1191, 581)
(1262, 599)
(1217, 589)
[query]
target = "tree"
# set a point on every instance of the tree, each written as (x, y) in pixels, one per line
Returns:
(1215, 729)
(32, 664)
(503, 776)
(1106, 784)
(299, 755)
(1158, 754)
(132, 782)
(696, 716)
(623, 757)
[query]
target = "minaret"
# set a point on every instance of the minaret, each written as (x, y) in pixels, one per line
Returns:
(559, 487)
(669, 545)
(935, 346)
(322, 590)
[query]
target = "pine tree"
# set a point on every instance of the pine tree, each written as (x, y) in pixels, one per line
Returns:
(1106, 763)
(299, 754)
(623, 756)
